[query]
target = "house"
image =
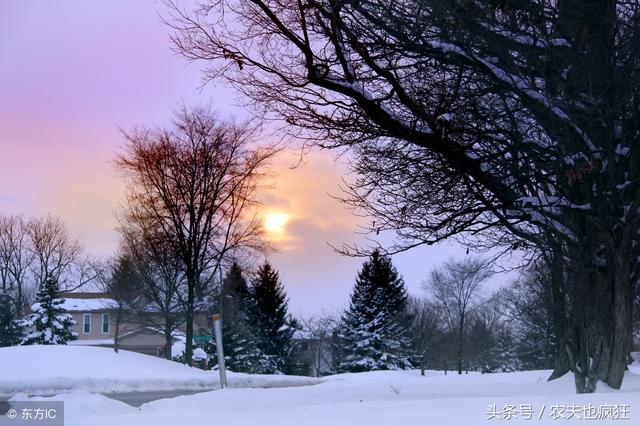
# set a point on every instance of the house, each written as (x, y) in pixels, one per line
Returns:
(94, 314)
(95, 317)
(315, 356)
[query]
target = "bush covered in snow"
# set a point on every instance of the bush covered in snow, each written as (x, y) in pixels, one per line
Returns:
(48, 323)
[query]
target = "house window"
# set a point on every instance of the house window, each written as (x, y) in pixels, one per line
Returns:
(105, 324)
(86, 323)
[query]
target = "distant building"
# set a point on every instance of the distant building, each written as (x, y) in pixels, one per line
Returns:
(95, 316)
(315, 357)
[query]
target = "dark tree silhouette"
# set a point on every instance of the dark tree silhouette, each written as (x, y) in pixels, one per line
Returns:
(271, 324)
(514, 120)
(455, 287)
(194, 184)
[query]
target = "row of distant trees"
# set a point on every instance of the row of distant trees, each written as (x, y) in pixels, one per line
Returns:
(34, 250)
(257, 328)
(190, 208)
(459, 324)
(38, 260)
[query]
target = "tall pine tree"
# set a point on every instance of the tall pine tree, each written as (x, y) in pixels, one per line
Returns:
(11, 328)
(374, 335)
(241, 352)
(274, 334)
(49, 324)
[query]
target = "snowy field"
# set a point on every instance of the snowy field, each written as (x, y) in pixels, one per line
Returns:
(48, 370)
(376, 398)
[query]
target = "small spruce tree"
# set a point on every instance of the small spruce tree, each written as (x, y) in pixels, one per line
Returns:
(49, 324)
(374, 334)
(272, 330)
(11, 328)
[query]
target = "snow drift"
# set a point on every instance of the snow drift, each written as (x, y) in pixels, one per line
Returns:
(52, 369)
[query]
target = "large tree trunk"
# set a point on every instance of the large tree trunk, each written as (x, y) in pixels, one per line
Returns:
(599, 341)
(622, 319)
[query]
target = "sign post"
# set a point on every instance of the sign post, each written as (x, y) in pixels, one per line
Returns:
(217, 330)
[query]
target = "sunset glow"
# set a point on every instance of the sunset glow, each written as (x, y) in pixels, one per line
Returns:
(275, 222)
(64, 98)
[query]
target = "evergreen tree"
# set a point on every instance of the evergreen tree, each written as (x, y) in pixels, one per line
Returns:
(273, 332)
(11, 329)
(49, 324)
(241, 353)
(374, 335)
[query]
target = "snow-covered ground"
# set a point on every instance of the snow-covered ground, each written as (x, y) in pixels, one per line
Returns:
(53, 369)
(376, 398)
(77, 374)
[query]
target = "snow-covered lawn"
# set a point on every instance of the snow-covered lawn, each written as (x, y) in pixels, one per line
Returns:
(377, 398)
(48, 370)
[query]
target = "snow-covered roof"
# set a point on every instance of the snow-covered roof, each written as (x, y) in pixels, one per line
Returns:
(84, 305)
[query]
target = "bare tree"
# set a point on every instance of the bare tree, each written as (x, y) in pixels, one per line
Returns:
(57, 255)
(319, 331)
(425, 329)
(528, 306)
(456, 289)
(35, 249)
(161, 281)
(491, 343)
(120, 280)
(15, 261)
(196, 182)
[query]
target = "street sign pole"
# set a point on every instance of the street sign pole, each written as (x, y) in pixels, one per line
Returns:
(217, 330)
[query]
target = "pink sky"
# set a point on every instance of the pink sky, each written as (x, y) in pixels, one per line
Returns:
(73, 72)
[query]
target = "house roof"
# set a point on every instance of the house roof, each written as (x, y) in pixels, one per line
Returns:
(85, 302)
(85, 305)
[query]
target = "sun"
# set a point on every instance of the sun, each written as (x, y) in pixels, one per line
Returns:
(275, 222)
